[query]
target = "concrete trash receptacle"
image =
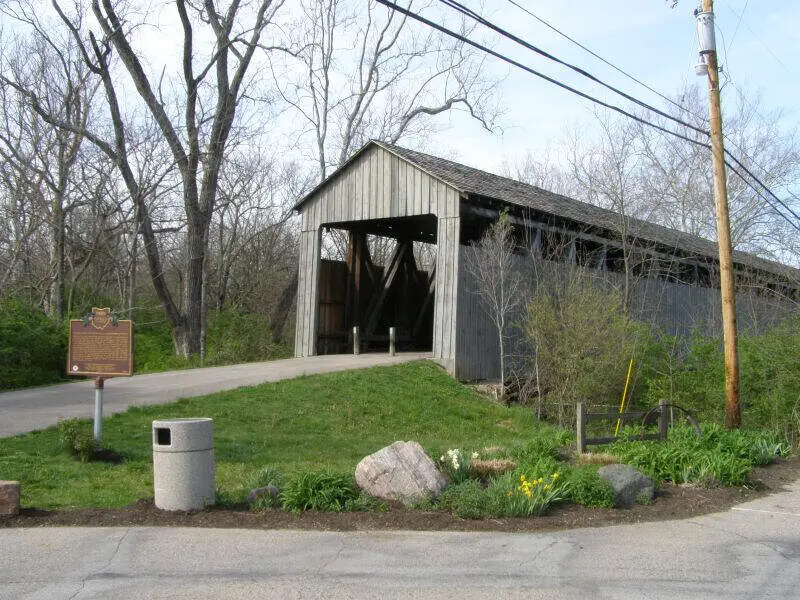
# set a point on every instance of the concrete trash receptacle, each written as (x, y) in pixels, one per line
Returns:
(183, 464)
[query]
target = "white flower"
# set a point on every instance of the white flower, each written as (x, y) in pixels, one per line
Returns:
(475, 455)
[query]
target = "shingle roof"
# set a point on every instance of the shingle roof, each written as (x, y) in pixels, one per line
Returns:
(475, 182)
(482, 185)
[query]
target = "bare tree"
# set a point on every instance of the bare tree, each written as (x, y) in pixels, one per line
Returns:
(195, 125)
(362, 72)
(44, 156)
(498, 282)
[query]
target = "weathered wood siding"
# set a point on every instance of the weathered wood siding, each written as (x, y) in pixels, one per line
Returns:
(380, 185)
(679, 308)
(477, 353)
(307, 293)
(446, 295)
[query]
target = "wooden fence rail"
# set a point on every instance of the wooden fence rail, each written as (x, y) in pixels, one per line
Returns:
(584, 417)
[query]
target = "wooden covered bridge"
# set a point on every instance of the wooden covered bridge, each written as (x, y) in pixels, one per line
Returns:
(410, 197)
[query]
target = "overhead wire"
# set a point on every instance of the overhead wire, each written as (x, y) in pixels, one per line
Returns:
(455, 4)
(600, 58)
(515, 63)
(586, 96)
(645, 85)
(464, 10)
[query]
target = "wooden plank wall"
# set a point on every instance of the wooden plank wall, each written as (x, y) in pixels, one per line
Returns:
(307, 299)
(380, 185)
(446, 295)
(678, 307)
(477, 354)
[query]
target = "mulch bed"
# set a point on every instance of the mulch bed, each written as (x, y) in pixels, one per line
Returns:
(672, 502)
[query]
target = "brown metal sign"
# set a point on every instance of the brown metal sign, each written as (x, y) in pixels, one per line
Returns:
(100, 345)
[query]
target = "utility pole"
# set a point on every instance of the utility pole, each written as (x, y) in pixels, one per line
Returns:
(705, 30)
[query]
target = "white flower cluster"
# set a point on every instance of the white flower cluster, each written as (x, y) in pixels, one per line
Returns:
(453, 456)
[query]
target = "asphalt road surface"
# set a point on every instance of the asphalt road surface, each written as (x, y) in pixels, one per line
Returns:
(37, 408)
(752, 551)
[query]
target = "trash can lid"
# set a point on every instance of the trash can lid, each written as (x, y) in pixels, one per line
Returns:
(183, 435)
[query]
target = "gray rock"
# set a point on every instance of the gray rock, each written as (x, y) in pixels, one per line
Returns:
(630, 485)
(401, 472)
(268, 492)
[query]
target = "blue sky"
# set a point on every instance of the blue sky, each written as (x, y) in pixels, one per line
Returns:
(647, 38)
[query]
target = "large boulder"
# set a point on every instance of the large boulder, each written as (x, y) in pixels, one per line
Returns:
(401, 472)
(630, 485)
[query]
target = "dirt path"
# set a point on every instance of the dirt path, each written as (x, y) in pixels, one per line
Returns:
(36, 408)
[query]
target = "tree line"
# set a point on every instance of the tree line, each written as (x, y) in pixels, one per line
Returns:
(151, 154)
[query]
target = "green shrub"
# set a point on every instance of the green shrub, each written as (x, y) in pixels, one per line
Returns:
(769, 379)
(76, 439)
(320, 490)
(581, 340)
(718, 456)
(586, 487)
(234, 337)
(533, 497)
(512, 494)
(231, 337)
(545, 443)
(267, 476)
(468, 500)
(33, 348)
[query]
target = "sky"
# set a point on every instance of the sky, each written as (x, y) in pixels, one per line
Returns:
(758, 43)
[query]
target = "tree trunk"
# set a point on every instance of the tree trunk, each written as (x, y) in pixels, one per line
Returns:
(189, 336)
(56, 301)
(131, 276)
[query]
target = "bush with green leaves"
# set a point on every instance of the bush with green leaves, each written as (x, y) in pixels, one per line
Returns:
(33, 347)
(586, 487)
(468, 500)
(769, 379)
(544, 443)
(232, 337)
(267, 477)
(718, 456)
(580, 341)
(76, 439)
(322, 491)
(513, 494)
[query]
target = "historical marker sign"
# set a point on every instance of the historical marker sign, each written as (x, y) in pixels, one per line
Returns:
(100, 345)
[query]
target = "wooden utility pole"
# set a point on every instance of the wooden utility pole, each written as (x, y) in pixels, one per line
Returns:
(727, 280)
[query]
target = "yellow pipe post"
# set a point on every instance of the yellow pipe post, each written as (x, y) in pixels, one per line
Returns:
(624, 395)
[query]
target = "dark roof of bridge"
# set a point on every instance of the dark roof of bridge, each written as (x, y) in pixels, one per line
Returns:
(482, 186)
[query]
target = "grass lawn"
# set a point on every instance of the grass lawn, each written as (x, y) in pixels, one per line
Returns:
(309, 423)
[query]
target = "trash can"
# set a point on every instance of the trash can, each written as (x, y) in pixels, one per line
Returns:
(183, 464)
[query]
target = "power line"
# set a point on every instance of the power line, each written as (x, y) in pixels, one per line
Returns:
(739, 22)
(511, 61)
(653, 90)
(472, 14)
(600, 58)
(767, 48)
(762, 184)
(487, 50)
(454, 4)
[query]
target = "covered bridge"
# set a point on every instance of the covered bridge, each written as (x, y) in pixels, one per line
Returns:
(388, 191)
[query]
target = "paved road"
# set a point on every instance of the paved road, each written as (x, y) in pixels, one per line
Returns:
(37, 408)
(752, 551)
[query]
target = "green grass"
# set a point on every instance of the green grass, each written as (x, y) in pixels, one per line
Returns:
(305, 424)
(718, 457)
